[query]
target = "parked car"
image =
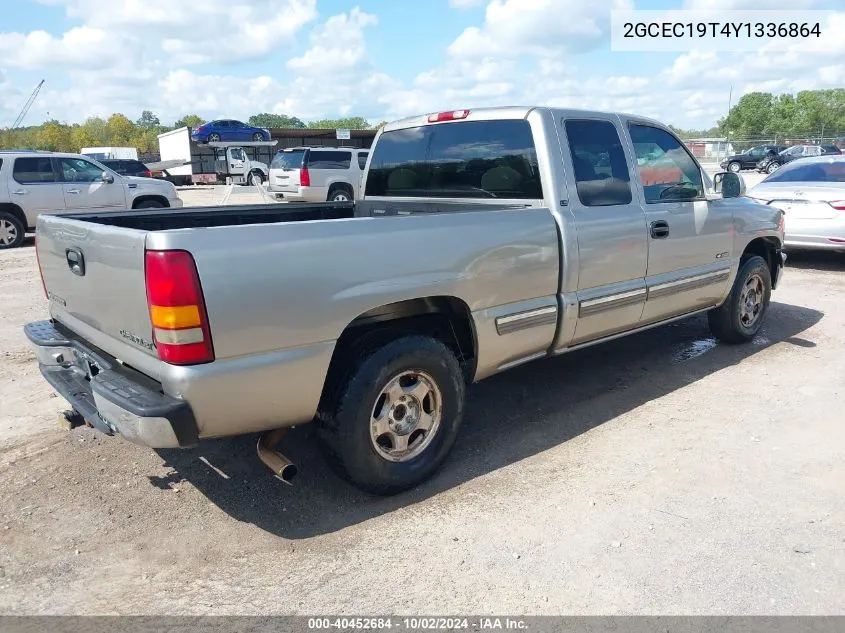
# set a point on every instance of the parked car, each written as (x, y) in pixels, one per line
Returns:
(750, 157)
(224, 130)
(483, 240)
(32, 183)
(811, 192)
(830, 150)
(303, 174)
(126, 167)
(771, 164)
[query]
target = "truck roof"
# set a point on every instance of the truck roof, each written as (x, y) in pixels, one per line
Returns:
(513, 112)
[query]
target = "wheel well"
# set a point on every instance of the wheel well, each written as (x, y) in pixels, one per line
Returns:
(140, 199)
(340, 185)
(765, 247)
(447, 319)
(16, 211)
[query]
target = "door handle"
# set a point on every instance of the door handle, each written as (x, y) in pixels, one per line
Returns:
(659, 229)
(73, 191)
(20, 192)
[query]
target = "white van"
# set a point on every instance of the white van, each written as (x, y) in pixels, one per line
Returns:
(317, 174)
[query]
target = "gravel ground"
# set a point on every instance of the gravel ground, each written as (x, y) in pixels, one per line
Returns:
(658, 474)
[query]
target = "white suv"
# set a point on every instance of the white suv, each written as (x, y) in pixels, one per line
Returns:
(33, 182)
(317, 174)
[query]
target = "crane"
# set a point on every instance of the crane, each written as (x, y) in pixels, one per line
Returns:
(27, 105)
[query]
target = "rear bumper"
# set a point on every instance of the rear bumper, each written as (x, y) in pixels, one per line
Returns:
(822, 234)
(110, 396)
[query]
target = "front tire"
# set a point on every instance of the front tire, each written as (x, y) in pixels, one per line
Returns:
(255, 179)
(397, 416)
(12, 230)
(741, 316)
(734, 167)
(258, 137)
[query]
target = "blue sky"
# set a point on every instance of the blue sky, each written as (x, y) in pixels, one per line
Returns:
(381, 59)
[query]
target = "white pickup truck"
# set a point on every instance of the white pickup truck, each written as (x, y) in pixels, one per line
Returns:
(33, 182)
(484, 239)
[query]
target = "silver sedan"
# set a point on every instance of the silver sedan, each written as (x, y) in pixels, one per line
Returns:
(811, 191)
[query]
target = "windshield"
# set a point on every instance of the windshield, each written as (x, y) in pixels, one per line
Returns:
(792, 151)
(812, 172)
(288, 159)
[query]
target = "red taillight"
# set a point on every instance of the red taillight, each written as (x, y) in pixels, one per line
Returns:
(304, 177)
(454, 115)
(177, 308)
(40, 272)
(839, 205)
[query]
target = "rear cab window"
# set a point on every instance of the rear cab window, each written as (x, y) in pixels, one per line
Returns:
(465, 159)
(598, 160)
(322, 159)
(288, 159)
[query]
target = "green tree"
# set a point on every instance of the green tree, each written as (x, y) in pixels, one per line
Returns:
(189, 120)
(119, 130)
(148, 120)
(268, 120)
(784, 117)
(349, 123)
(54, 136)
(750, 116)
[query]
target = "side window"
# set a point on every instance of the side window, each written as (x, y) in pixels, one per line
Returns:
(601, 172)
(79, 170)
(33, 170)
(329, 160)
(667, 171)
(362, 159)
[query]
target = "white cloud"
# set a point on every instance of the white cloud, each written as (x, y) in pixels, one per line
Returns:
(336, 46)
(751, 5)
(464, 4)
(543, 27)
(81, 46)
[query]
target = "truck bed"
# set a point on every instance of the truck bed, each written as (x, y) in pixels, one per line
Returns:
(204, 217)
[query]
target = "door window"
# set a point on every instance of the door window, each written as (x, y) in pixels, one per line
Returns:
(33, 170)
(237, 154)
(601, 172)
(79, 170)
(667, 171)
(329, 160)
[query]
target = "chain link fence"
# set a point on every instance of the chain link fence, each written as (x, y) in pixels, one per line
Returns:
(716, 149)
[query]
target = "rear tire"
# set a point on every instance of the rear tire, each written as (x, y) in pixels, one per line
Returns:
(772, 168)
(375, 414)
(340, 194)
(741, 316)
(12, 230)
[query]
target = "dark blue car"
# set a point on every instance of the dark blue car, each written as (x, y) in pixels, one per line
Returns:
(228, 130)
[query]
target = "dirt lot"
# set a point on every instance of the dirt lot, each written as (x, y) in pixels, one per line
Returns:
(657, 474)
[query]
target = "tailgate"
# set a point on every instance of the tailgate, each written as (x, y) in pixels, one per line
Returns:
(95, 273)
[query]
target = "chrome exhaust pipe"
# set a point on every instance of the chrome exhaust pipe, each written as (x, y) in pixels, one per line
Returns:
(282, 467)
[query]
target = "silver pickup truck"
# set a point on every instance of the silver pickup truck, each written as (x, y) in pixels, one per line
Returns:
(484, 239)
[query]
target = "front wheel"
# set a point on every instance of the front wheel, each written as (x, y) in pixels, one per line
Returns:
(255, 179)
(741, 316)
(397, 416)
(258, 137)
(734, 167)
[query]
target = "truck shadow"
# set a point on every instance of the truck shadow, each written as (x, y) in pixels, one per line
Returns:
(509, 417)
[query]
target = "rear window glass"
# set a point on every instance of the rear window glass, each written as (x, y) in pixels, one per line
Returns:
(329, 160)
(288, 160)
(813, 172)
(362, 159)
(469, 159)
(33, 170)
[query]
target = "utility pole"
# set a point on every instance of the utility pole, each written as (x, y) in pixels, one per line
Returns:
(730, 99)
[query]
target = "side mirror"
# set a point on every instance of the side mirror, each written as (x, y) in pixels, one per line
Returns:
(107, 178)
(730, 185)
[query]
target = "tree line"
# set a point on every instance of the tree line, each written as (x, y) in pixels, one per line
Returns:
(762, 115)
(119, 131)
